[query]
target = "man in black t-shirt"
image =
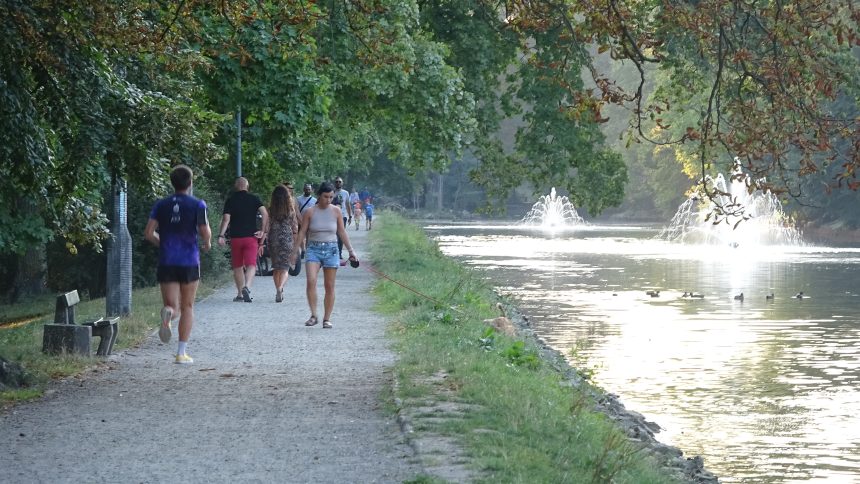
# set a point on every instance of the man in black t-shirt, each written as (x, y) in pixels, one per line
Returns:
(240, 214)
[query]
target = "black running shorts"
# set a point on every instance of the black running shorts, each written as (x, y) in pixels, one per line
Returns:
(180, 274)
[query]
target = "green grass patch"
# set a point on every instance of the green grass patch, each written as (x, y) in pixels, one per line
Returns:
(28, 308)
(524, 423)
(21, 334)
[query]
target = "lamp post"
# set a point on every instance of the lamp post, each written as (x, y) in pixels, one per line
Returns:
(239, 143)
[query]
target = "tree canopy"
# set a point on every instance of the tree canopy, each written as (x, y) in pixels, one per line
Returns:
(93, 90)
(90, 90)
(753, 82)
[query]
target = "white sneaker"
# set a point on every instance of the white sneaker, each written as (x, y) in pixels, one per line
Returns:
(184, 360)
(164, 331)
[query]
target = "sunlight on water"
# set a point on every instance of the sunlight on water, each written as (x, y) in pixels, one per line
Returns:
(766, 390)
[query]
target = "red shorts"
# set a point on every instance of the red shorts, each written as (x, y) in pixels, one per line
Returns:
(243, 251)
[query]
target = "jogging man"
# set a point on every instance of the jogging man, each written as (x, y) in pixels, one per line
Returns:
(174, 225)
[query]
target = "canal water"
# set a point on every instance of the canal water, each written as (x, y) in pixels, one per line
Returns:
(766, 390)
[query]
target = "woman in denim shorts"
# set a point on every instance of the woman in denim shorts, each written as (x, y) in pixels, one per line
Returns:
(322, 224)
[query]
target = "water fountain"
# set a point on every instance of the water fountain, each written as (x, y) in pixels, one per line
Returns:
(766, 223)
(553, 212)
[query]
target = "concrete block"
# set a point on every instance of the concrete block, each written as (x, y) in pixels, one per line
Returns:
(106, 329)
(67, 338)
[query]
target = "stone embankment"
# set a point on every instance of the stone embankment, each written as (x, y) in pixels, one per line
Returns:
(638, 429)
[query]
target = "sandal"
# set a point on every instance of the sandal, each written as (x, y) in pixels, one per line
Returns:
(327, 324)
(279, 295)
(311, 321)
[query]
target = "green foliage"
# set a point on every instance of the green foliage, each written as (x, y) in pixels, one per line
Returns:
(487, 339)
(94, 90)
(445, 317)
(564, 143)
(518, 355)
(328, 88)
(261, 60)
(755, 81)
(531, 73)
(394, 94)
(397, 182)
(85, 106)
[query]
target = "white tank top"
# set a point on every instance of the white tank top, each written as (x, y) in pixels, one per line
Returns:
(323, 226)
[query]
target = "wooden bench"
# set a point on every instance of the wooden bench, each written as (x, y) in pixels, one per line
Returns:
(66, 336)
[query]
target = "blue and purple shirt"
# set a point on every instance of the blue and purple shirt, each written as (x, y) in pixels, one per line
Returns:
(178, 217)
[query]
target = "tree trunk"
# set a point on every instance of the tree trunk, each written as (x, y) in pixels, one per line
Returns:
(439, 194)
(30, 276)
(30, 279)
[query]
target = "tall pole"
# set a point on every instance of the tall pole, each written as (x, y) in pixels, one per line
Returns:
(239, 142)
(118, 300)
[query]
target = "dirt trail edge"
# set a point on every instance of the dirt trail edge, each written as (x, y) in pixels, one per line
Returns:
(266, 400)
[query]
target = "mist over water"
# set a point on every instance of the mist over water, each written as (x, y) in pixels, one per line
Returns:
(553, 213)
(766, 390)
(761, 220)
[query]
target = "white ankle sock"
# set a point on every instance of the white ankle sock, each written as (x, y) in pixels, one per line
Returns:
(182, 345)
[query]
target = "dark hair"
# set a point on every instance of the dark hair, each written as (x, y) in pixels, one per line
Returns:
(180, 177)
(325, 187)
(281, 206)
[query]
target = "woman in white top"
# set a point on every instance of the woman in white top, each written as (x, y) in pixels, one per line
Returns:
(322, 224)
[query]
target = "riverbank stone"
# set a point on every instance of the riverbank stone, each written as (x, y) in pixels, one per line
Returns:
(12, 375)
(634, 424)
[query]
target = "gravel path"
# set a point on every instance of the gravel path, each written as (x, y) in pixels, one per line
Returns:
(266, 400)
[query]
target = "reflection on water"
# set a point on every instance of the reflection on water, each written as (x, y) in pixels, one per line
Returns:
(765, 390)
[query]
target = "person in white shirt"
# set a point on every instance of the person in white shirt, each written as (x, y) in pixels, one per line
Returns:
(304, 203)
(341, 199)
(306, 200)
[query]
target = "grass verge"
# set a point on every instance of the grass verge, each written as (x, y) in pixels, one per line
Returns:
(21, 334)
(516, 418)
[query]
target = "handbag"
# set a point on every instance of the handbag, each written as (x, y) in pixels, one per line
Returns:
(296, 269)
